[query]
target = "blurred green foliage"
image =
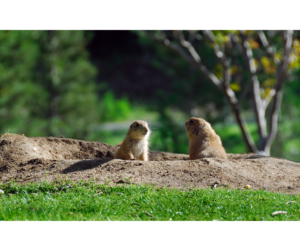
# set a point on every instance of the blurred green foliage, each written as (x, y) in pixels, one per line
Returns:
(287, 144)
(47, 85)
(114, 110)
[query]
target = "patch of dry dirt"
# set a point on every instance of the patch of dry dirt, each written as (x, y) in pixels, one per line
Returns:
(34, 159)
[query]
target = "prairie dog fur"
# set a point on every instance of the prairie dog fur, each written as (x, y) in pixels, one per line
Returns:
(204, 142)
(135, 144)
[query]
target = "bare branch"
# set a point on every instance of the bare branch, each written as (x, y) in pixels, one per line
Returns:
(194, 60)
(282, 69)
(198, 61)
(258, 107)
(239, 49)
(163, 39)
(211, 39)
(190, 47)
(236, 108)
(195, 35)
(267, 46)
(264, 40)
(267, 100)
(221, 55)
(234, 103)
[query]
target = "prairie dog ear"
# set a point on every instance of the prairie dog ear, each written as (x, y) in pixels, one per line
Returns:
(201, 127)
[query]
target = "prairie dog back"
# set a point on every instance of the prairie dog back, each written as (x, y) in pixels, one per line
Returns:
(204, 142)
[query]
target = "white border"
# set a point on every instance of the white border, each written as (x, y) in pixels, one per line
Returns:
(137, 15)
(149, 236)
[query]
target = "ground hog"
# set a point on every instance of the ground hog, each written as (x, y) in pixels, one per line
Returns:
(135, 144)
(204, 142)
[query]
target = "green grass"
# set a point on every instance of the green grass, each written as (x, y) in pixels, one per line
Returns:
(87, 201)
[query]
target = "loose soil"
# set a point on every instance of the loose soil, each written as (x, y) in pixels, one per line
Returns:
(27, 159)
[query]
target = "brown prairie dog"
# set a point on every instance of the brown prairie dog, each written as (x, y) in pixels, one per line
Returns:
(204, 142)
(135, 144)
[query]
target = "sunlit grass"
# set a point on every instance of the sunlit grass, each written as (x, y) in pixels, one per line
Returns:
(87, 201)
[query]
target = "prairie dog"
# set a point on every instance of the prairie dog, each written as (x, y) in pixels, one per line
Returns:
(135, 144)
(204, 142)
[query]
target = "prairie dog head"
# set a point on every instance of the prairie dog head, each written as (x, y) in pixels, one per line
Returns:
(139, 129)
(198, 128)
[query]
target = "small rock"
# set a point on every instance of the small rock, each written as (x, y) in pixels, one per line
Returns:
(279, 212)
(290, 202)
(214, 185)
(97, 194)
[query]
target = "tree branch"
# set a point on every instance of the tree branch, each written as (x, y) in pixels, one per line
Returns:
(236, 108)
(239, 49)
(258, 107)
(164, 40)
(282, 69)
(216, 47)
(198, 61)
(194, 60)
(267, 46)
(268, 99)
(233, 101)
(270, 50)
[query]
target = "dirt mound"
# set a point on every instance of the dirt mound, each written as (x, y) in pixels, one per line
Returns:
(35, 159)
(16, 147)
